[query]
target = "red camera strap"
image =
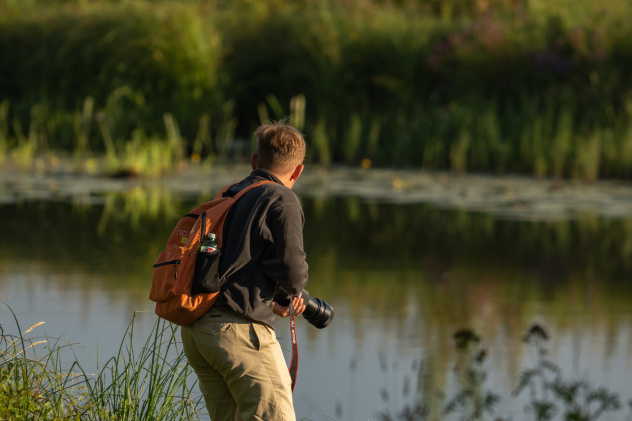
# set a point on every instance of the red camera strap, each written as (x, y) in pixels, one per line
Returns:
(294, 362)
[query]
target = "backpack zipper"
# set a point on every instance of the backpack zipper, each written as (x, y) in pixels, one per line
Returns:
(175, 264)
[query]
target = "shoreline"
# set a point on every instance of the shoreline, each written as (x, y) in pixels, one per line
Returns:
(509, 196)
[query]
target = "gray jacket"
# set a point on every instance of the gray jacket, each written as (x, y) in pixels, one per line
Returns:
(262, 248)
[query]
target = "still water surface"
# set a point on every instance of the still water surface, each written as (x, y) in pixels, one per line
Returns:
(403, 278)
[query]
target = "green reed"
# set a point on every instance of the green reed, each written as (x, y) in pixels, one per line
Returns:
(4, 131)
(150, 383)
(30, 384)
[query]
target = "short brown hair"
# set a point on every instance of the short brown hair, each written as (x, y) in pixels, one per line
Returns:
(280, 147)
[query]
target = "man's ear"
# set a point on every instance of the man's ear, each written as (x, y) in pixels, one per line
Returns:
(253, 161)
(297, 172)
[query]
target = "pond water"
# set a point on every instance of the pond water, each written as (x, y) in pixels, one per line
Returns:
(402, 277)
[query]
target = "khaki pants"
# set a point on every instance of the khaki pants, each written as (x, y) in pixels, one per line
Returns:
(240, 367)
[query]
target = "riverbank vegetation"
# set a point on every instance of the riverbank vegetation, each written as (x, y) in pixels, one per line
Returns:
(156, 383)
(522, 86)
(552, 394)
(41, 378)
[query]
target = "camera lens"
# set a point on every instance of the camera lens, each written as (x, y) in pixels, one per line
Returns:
(317, 312)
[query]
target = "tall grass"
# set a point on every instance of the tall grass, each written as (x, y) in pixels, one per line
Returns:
(496, 86)
(38, 382)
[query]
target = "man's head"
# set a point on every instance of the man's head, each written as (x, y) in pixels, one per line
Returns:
(280, 147)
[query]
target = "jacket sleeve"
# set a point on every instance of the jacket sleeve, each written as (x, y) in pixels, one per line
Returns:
(284, 258)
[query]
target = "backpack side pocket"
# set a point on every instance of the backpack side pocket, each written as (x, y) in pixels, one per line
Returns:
(206, 275)
(164, 280)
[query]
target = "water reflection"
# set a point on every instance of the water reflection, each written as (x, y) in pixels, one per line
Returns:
(403, 279)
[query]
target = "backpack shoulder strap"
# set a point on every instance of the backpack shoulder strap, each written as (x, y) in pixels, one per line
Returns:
(243, 191)
(222, 191)
(250, 187)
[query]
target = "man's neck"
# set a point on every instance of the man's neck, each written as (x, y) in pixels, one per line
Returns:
(286, 180)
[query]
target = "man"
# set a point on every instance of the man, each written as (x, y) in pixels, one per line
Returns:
(233, 347)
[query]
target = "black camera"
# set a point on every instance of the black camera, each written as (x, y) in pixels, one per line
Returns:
(317, 312)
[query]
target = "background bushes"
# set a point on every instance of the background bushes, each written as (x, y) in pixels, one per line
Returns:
(496, 86)
(166, 56)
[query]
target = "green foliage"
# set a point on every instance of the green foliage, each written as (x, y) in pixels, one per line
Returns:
(495, 86)
(164, 55)
(152, 383)
(31, 385)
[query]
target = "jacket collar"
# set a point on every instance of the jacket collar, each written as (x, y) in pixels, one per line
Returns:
(257, 175)
(265, 174)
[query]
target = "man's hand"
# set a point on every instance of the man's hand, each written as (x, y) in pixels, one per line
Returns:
(284, 311)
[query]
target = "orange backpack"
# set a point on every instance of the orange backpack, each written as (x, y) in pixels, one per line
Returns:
(185, 283)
